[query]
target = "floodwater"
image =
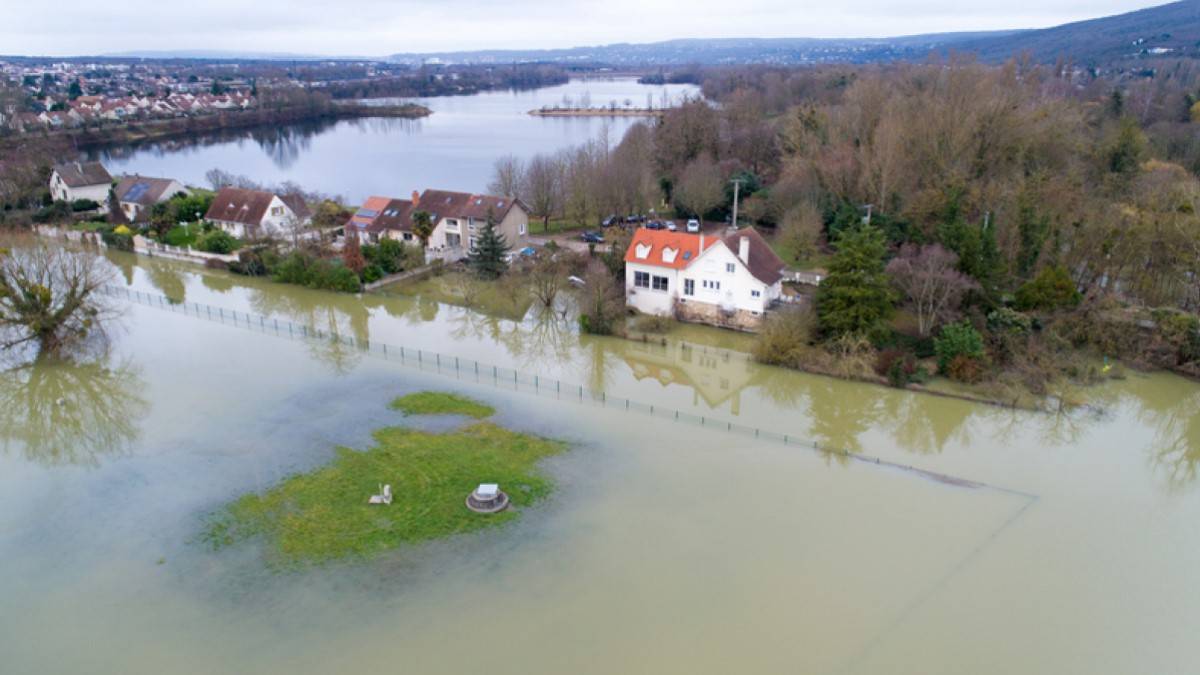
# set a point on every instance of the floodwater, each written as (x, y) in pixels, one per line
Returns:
(667, 547)
(455, 148)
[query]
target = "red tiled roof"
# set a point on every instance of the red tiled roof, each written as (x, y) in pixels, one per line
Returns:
(686, 247)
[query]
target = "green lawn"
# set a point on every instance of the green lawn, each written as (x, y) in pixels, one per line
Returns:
(441, 403)
(323, 515)
(181, 236)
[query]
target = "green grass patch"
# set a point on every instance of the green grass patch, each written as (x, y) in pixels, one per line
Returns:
(181, 235)
(442, 403)
(323, 515)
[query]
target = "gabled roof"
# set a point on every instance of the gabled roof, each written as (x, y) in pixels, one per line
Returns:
(382, 213)
(763, 263)
(82, 174)
(237, 205)
(448, 204)
(143, 190)
(396, 215)
(663, 248)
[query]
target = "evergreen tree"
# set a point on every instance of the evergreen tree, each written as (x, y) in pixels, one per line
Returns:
(487, 254)
(856, 296)
(422, 227)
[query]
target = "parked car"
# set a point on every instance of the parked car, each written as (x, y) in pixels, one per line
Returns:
(672, 226)
(610, 221)
(693, 226)
(592, 237)
(655, 225)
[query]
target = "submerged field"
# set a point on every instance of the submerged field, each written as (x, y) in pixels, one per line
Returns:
(1068, 546)
(324, 515)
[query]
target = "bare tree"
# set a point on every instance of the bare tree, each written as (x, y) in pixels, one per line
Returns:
(542, 188)
(547, 276)
(49, 295)
(700, 188)
(507, 177)
(930, 278)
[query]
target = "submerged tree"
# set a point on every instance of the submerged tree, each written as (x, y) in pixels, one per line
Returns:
(49, 295)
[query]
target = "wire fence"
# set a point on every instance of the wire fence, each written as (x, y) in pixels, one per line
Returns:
(511, 379)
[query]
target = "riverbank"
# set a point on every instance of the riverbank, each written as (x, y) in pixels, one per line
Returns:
(136, 132)
(598, 112)
(325, 515)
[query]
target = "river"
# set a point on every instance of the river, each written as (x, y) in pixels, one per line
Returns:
(455, 148)
(1025, 543)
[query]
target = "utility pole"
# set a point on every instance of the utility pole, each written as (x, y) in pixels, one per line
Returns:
(737, 184)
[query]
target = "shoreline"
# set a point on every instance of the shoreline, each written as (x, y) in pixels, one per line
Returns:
(183, 127)
(599, 112)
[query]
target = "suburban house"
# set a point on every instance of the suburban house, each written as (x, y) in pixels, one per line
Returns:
(382, 217)
(457, 218)
(81, 180)
(724, 282)
(255, 213)
(138, 194)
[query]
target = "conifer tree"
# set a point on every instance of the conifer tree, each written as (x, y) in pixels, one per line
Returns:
(487, 253)
(856, 297)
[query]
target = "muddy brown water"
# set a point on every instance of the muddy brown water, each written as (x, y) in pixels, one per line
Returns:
(666, 548)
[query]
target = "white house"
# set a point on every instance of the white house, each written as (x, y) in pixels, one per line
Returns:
(137, 194)
(81, 180)
(724, 282)
(254, 213)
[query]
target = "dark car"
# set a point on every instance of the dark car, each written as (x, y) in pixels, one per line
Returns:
(655, 225)
(610, 221)
(634, 218)
(592, 237)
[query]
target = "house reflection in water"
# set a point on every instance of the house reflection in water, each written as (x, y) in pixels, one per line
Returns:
(714, 376)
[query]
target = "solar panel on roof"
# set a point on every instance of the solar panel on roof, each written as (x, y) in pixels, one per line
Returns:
(136, 191)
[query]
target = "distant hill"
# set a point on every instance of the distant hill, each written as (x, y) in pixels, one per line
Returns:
(220, 55)
(709, 51)
(1165, 31)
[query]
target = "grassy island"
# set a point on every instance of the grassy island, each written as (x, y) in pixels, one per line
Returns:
(323, 515)
(442, 403)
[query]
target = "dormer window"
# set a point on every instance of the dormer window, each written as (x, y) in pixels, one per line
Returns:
(643, 251)
(668, 254)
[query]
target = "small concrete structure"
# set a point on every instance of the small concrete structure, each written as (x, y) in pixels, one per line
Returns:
(487, 498)
(384, 496)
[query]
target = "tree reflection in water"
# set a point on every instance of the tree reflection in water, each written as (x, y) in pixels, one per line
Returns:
(336, 316)
(1171, 406)
(166, 277)
(61, 412)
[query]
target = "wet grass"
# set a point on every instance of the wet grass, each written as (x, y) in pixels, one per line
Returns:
(323, 515)
(442, 403)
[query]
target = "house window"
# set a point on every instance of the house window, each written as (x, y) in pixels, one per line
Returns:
(712, 285)
(641, 279)
(756, 294)
(689, 286)
(277, 210)
(521, 229)
(660, 283)
(730, 268)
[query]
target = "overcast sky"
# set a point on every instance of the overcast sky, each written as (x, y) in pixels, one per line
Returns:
(380, 27)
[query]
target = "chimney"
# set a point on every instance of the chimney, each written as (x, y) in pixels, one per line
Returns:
(416, 198)
(744, 250)
(701, 243)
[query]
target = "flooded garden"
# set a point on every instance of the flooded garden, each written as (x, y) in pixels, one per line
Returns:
(699, 512)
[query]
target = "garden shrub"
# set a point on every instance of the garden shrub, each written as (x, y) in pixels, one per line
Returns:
(52, 213)
(786, 337)
(371, 274)
(964, 368)
(217, 241)
(957, 339)
(121, 241)
(84, 205)
(1051, 289)
(1008, 320)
